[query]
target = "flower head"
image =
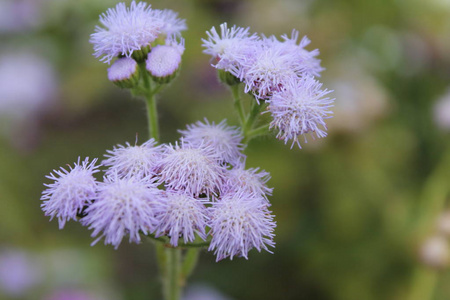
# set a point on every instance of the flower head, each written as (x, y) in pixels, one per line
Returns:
(250, 180)
(306, 58)
(183, 216)
(164, 60)
(71, 191)
(300, 108)
(194, 170)
(239, 222)
(123, 206)
(172, 25)
(231, 47)
(128, 161)
(271, 70)
(125, 30)
(124, 71)
(225, 140)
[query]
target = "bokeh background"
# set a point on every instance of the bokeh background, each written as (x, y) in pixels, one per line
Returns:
(360, 214)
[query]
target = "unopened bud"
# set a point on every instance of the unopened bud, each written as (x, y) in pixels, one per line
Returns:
(124, 72)
(164, 61)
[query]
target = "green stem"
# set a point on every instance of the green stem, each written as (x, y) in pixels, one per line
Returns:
(152, 116)
(152, 113)
(251, 120)
(189, 263)
(258, 131)
(172, 282)
(238, 102)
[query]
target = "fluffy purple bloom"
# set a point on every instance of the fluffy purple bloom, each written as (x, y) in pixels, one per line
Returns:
(272, 69)
(239, 222)
(164, 60)
(125, 30)
(71, 191)
(250, 181)
(300, 108)
(122, 69)
(183, 216)
(194, 170)
(308, 60)
(225, 140)
(172, 25)
(139, 161)
(231, 47)
(123, 206)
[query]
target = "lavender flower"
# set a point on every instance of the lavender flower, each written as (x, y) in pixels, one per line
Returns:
(307, 59)
(231, 47)
(123, 206)
(137, 161)
(272, 69)
(70, 192)
(225, 140)
(193, 170)
(124, 72)
(250, 181)
(125, 30)
(172, 25)
(164, 60)
(183, 217)
(239, 222)
(300, 108)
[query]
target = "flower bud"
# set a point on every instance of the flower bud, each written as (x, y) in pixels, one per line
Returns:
(124, 72)
(164, 61)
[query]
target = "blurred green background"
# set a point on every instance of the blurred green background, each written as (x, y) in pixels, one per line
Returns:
(353, 211)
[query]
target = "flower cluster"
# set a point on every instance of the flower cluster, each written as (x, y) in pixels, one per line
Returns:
(134, 34)
(195, 189)
(281, 73)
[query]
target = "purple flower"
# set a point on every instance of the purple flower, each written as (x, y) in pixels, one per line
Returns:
(122, 69)
(307, 59)
(225, 140)
(230, 47)
(124, 206)
(183, 217)
(239, 222)
(272, 68)
(300, 108)
(70, 192)
(139, 161)
(172, 25)
(125, 30)
(164, 60)
(194, 170)
(249, 181)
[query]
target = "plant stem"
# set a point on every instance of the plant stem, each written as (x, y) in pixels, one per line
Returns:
(152, 116)
(238, 102)
(172, 282)
(189, 263)
(152, 113)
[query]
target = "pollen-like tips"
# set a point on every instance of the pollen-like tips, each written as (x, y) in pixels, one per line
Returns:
(301, 108)
(250, 181)
(125, 30)
(192, 170)
(183, 217)
(164, 61)
(225, 140)
(71, 191)
(239, 222)
(123, 206)
(139, 161)
(124, 72)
